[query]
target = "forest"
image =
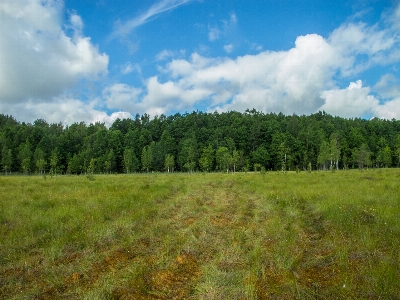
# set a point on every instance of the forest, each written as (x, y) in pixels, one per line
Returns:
(207, 142)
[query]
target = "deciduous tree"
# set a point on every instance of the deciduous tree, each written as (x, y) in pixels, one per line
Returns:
(169, 163)
(147, 158)
(39, 159)
(206, 160)
(6, 159)
(25, 156)
(130, 160)
(323, 155)
(222, 157)
(53, 162)
(363, 156)
(397, 151)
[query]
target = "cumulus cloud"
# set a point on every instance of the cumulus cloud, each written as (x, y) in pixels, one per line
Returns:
(62, 109)
(355, 100)
(388, 110)
(38, 59)
(302, 79)
(38, 55)
(295, 77)
(122, 96)
(362, 46)
(388, 86)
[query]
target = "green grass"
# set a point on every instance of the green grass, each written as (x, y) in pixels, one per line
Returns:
(202, 236)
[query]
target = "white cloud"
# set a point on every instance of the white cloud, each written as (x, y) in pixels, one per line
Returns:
(389, 110)
(300, 80)
(37, 54)
(295, 77)
(129, 68)
(216, 32)
(164, 97)
(256, 47)
(388, 86)
(123, 29)
(38, 60)
(76, 24)
(62, 109)
(122, 96)
(228, 48)
(233, 19)
(361, 46)
(354, 101)
(167, 54)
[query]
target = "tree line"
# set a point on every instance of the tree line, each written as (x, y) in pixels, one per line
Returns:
(197, 141)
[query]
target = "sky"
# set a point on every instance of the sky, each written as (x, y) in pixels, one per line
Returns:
(98, 60)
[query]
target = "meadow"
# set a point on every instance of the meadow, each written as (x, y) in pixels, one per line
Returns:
(319, 235)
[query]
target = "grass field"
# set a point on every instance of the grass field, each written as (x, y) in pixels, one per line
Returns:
(322, 235)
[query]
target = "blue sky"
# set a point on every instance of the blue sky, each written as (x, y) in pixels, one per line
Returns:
(97, 60)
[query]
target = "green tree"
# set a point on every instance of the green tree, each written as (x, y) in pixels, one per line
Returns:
(107, 166)
(110, 164)
(283, 152)
(76, 164)
(41, 165)
(206, 160)
(90, 169)
(188, 154)
(131, 141)
(53, 162)
(168, 142)
(345, 160)
(323, 155)
(222, 157)
(130, 160)
(234, 159)
(147, 158)
(25, 156)
(386, 156)
(115, 143)
(260, 156)
(397, 151)
(169, 163)
(257, 167)
(334, 151)
(158, 155)
(363, 156)
(6, 159)
(39, 159)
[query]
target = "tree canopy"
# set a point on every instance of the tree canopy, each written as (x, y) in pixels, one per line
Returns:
(197, 141)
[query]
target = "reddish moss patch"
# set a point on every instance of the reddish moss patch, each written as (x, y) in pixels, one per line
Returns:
(111, 263)
(272, 285)
(175, 282)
